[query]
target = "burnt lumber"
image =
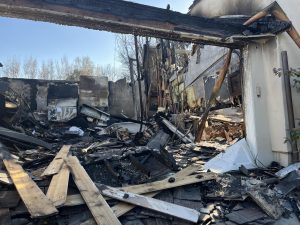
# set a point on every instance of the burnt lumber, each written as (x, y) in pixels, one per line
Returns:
(120, 181)
(17, 137)
(122, 208)
(275, 10)
(159, 140)
(153, 204)
(99, 208)
(185, 139)
(36, 202)
(171, 182)
(57, 162)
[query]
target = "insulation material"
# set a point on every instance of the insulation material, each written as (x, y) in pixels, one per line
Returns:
(235, 156)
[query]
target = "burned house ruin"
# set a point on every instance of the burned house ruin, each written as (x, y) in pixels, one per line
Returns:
(202, 136)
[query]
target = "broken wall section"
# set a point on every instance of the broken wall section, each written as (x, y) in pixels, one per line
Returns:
(197, 80)
(94, 91)
(265, 101)
(56, 100)
(121, 99)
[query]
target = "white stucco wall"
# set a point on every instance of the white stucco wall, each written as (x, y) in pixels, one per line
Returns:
(266, 116)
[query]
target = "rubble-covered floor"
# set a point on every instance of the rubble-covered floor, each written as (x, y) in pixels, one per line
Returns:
(120, 156)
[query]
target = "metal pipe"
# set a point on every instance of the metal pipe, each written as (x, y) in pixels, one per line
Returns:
(139, 80)
(289, 102)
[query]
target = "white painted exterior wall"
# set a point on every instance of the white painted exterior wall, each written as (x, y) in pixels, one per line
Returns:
(266, 116)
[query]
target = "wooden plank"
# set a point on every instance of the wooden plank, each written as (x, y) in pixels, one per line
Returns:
(166, 184)
(56, 164)
(36, 202)
(74, 200)
(153, 204)
(58, 189)
(17, 137)
(122, 207)
(184, 138)
(5, 179)
(99, 208)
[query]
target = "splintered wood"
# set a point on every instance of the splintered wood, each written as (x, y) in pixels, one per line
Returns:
(36, 202)
(58, 189)
(57, 162)
(99, 208)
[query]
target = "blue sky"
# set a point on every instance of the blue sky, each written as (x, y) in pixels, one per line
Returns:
(24, 38)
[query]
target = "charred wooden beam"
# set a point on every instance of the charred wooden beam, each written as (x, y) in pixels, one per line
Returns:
(127, 17)
(214, 95)
(16, 137)
(275, 10)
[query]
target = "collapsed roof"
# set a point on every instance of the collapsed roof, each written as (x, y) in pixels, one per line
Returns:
(131, 18)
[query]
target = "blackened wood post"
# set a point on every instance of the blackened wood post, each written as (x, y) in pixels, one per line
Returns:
(214, 94)
(139, 80)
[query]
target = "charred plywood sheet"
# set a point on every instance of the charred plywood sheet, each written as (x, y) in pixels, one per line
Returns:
(94, 91)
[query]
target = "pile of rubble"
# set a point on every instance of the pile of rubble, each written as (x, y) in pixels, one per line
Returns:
(108, 171)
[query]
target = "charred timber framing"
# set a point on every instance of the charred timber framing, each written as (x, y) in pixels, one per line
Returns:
(275, 10)
(131, 18)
